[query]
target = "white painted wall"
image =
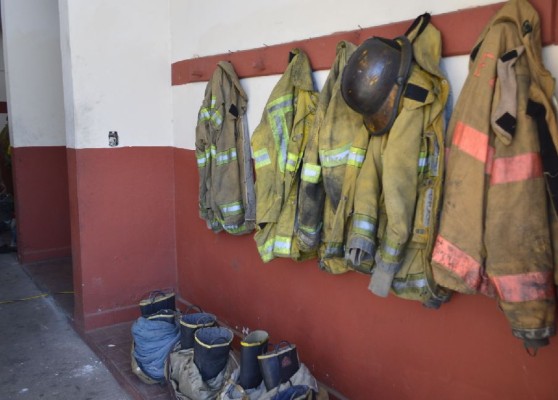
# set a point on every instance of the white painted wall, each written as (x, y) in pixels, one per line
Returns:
(116, 63)
(33, 72)
(3, 94)
(116, 55)
(2, 70)
(205, 27)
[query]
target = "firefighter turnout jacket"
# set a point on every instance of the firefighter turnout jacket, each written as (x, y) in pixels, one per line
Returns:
(226, 187)
(494, 235)
(278, 145)
(332, 161)
(398, 191)
(414, 279)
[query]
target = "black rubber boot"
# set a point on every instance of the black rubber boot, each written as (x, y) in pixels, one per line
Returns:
(279, 365)
(211, 350)
(189, 323)
(254, 344)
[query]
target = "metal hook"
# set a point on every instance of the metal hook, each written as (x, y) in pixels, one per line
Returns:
(258, 64)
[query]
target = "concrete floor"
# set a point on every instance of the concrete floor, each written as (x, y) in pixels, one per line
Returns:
(41, 356)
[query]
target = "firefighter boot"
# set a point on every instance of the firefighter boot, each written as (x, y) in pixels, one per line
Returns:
(190, 323)
(254, 344)
(211, 350)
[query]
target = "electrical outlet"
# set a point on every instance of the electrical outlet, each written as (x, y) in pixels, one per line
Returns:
(113, 138)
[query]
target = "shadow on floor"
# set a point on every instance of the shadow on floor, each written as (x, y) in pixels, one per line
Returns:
(111, 344)
(55, 277)
(41, 356)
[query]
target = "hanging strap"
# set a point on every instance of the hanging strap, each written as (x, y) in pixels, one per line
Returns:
(548, 151)
(421, 22)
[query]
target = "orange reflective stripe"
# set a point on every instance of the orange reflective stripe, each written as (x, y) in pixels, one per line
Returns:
(457, 261)
(517, 168)
(484, 59)
(471, 141)
(525, 287)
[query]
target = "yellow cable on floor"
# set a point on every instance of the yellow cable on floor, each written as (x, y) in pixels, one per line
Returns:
(34, 297)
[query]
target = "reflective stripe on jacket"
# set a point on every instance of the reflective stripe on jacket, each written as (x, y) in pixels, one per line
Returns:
(226, 189)
(278, 145)
(494, 233)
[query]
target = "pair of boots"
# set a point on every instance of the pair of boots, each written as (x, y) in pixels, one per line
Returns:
(274, 367)
(190, 323)
(211, 352)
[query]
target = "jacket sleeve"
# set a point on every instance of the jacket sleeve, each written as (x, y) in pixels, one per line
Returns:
(361, 239)
(311, 197)
(311, 193)
(268, 191)
(203, 157)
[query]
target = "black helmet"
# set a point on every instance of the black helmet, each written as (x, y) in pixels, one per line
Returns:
(373, 80)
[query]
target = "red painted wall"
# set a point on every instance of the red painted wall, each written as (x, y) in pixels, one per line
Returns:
(361, 345)
(122, 221)
(42, 212)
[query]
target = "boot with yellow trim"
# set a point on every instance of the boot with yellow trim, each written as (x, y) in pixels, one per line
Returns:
(211, 350)
(253, 345)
